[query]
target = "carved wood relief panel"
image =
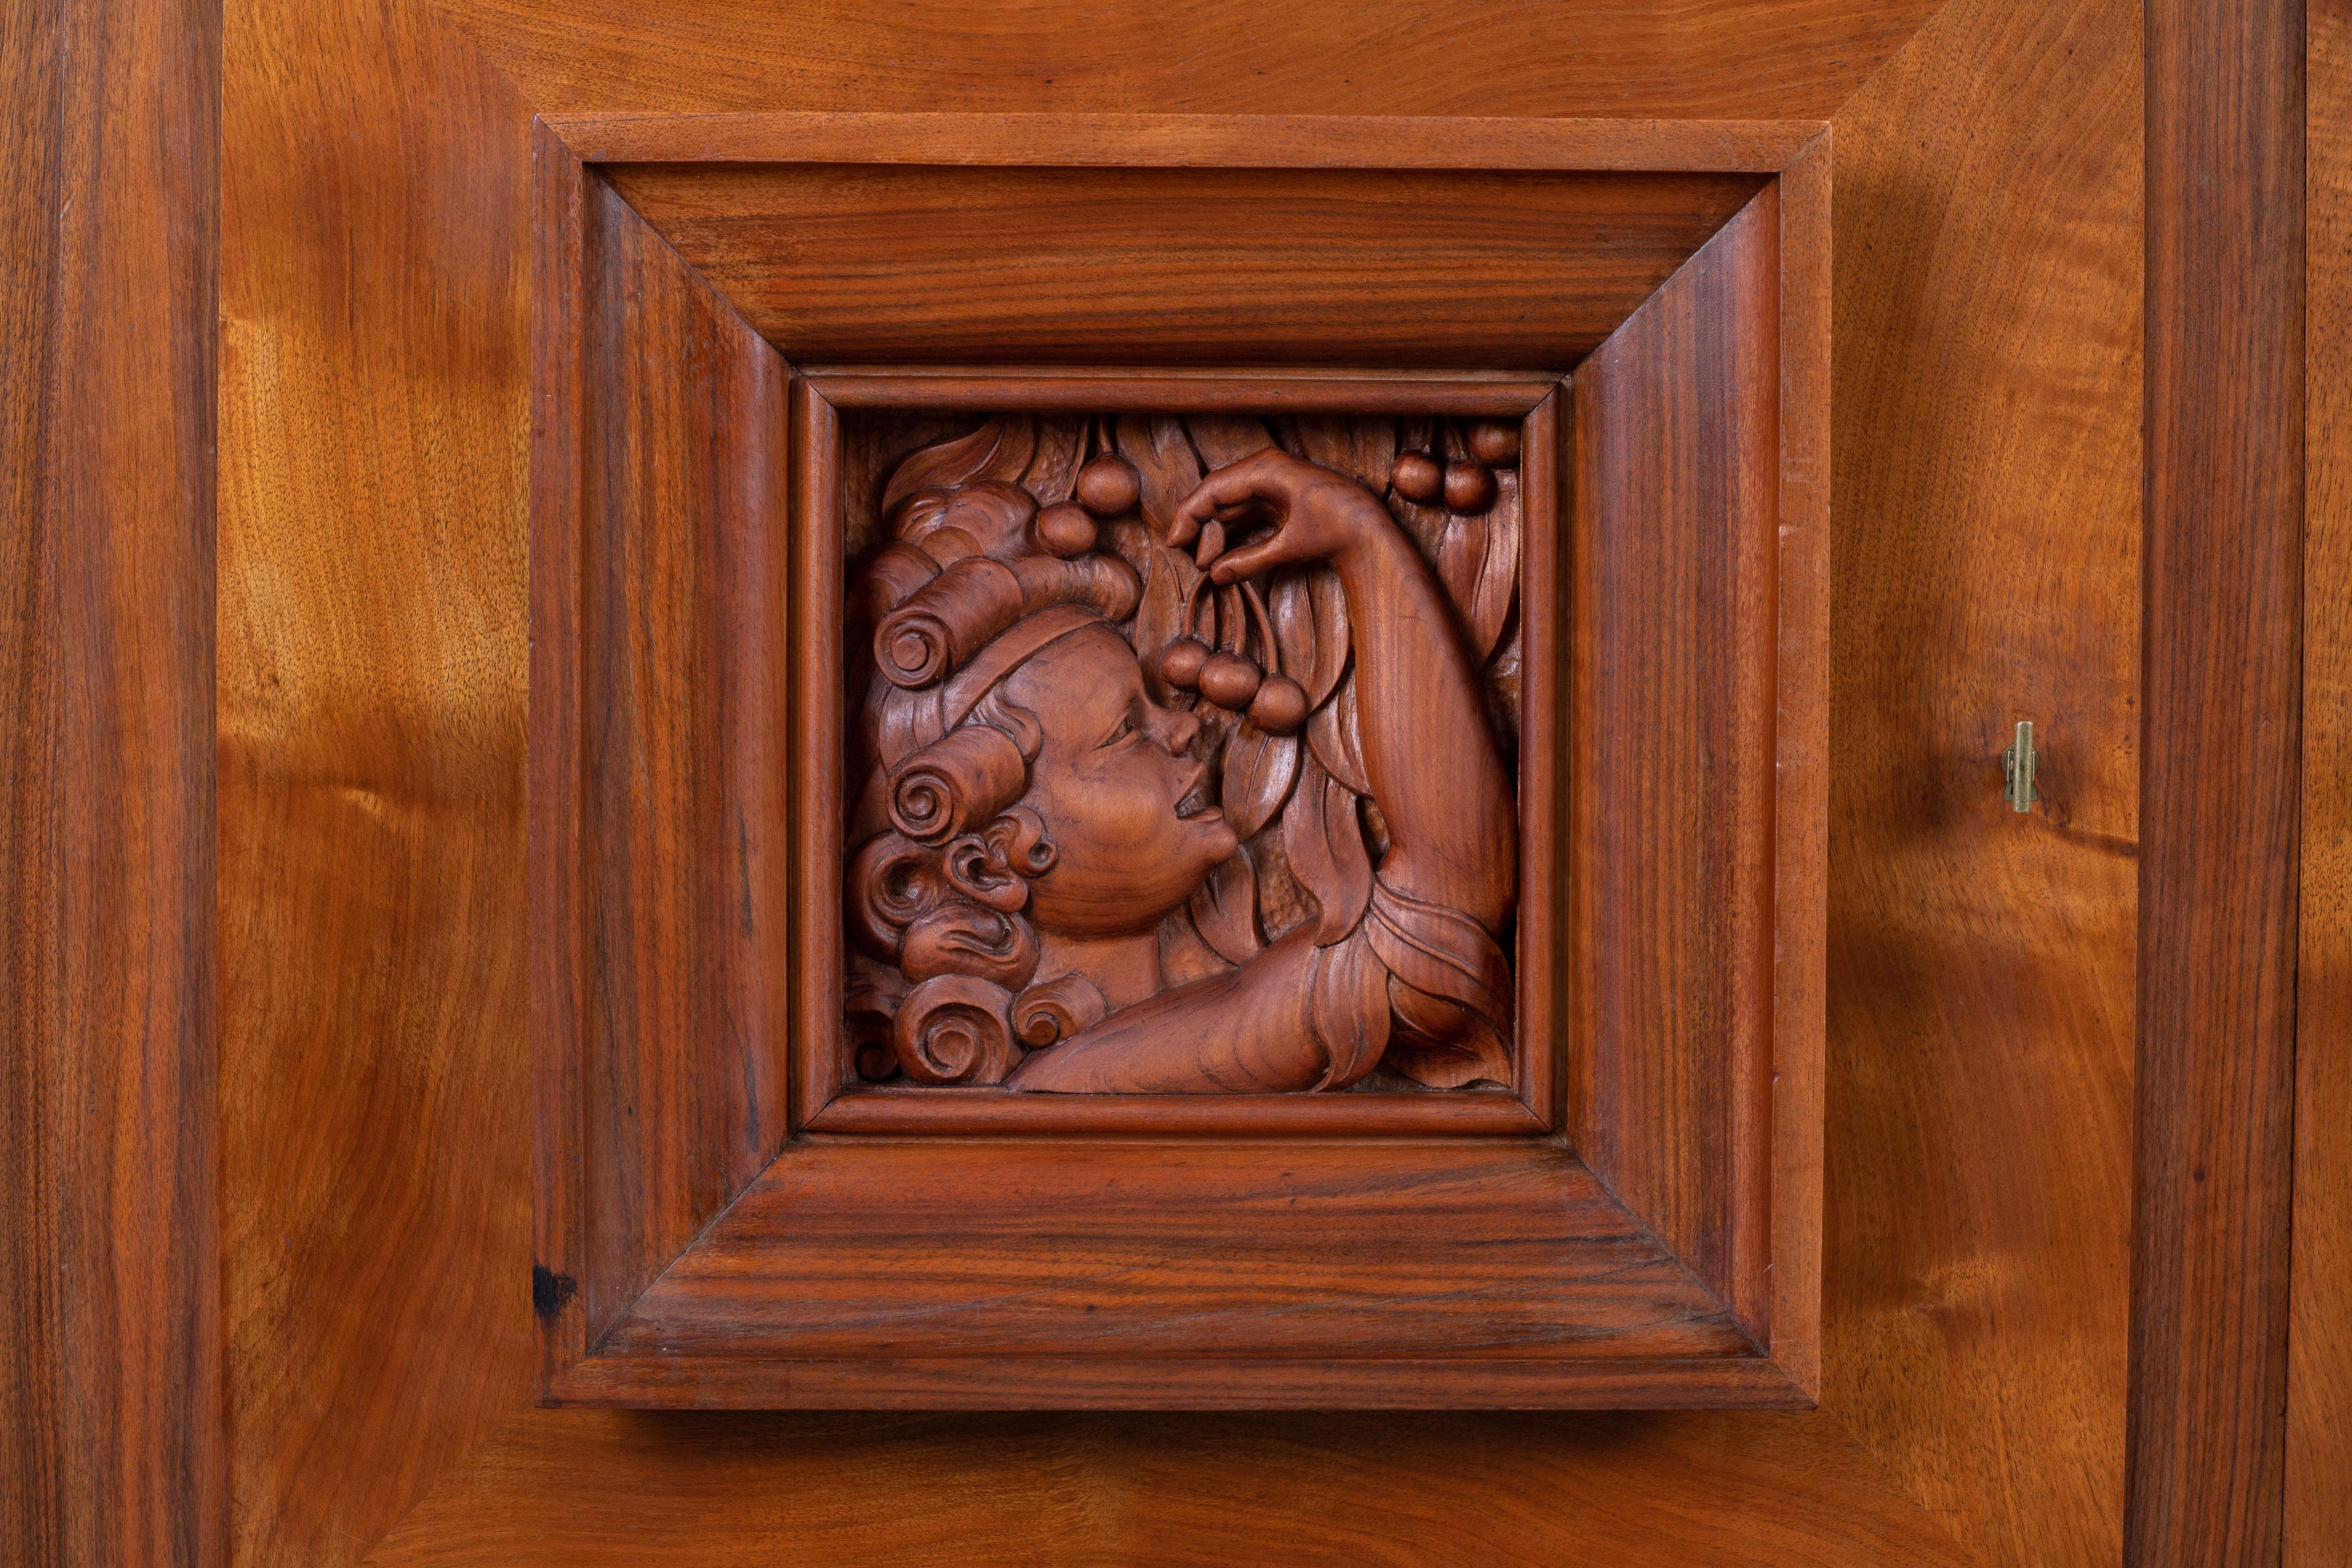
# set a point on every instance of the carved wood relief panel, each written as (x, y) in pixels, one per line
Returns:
(1332, 844)
(1182, 750)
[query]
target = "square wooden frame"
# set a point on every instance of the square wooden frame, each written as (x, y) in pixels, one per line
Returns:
(1643, 1230)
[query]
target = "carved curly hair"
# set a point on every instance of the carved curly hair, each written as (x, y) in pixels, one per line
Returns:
(963, 595)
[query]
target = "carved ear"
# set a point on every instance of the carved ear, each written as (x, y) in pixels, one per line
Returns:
(978, 869)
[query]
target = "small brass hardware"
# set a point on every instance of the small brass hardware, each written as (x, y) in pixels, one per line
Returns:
(2018, 764)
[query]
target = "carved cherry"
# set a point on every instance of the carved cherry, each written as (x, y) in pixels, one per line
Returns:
(1064, 529)
(1496, 443)
(1280, 706)
(1230, 680)
(1469, 486)
(1417, 476)
(1181, 662)
(1108, 486)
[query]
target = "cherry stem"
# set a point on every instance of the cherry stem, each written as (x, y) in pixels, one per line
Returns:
(1264, 627)
(1191, 600)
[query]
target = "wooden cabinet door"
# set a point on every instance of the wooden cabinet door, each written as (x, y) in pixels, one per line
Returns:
(596, 573)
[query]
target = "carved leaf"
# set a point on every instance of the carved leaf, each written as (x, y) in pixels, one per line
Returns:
(1225, 438)
(1336, 739)
(1184, 956)
(1425, 524)
(1348, 1002)
(1163, 461)
(1325, 845)
(1309, 611)
(1259, 770)
(1011, 458)
(1502, 682)
(1224, 910)
(1478, 558)
(1054, 467)
(1365, 450)
(1165, 575)
(1130, 541)
(1283, 906)
(941, 466)
(1466, 1053)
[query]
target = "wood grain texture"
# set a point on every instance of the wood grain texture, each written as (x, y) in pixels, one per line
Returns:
(1176, 141)
(1010, 1247)
(2221, 792)
(596, 1488)
(2318, 1524)
(1987, 517)
(1800, 744)
(749, 1289)
(1974, 1322)
(680, 687)
(1717, 59)
(1236, 389)
(110, 1381)
(1674, 535)
(1175, 266)
(375, 1206)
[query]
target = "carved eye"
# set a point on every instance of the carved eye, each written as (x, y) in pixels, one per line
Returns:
(1125, 730)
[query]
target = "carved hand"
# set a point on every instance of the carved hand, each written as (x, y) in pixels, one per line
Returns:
(1317, 515)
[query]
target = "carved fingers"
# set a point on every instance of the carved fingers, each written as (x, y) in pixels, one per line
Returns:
(1316, 515)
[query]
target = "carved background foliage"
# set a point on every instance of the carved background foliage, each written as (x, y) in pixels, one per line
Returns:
(1121, 815)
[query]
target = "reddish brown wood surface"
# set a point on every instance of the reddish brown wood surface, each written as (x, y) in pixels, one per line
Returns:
(2221, 788)
(1673, 536)
(2318, 1523)
(1986, 518)
(1453, 1251)
(745, 1308)
(601, 1489)
(1081, 389)
(1172, 266)
(1719, 59)
(1800, 732)
(1388, 627)
(375, 1072)
(1987, 260)
(681, 762)
(1174, 141)
(110, 1448)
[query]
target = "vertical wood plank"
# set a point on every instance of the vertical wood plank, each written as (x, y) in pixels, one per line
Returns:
(2219, 791)
(110, 1379)
(375, 1211)
(1986, 523)
(2319, 1338)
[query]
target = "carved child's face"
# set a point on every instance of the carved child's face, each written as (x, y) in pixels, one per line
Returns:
(1119, 793)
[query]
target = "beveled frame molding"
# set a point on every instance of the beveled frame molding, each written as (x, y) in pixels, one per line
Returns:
(674, 1270)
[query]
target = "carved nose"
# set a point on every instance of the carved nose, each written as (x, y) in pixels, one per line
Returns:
(1177, 729)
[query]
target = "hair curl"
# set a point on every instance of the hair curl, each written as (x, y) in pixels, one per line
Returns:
(937, 882)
